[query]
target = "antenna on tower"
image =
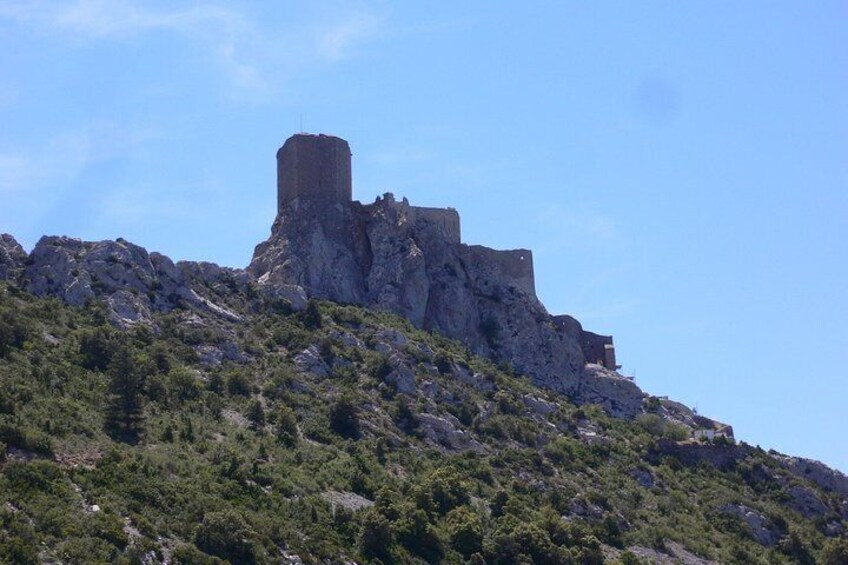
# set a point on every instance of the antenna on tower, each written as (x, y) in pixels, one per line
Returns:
(301, 123)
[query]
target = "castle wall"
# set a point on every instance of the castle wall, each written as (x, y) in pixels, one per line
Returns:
(314, 167)
(598, 349)
(513, 267)
(446, 218)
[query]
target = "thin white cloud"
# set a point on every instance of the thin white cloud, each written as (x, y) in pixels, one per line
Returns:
(337, 41)
(61, 159)
(252, 58)
(117, 19)
(223, 32)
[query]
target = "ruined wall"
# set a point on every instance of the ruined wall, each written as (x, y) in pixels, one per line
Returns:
(598, 349)
(313, 167)
(512, 267)
(446, 218)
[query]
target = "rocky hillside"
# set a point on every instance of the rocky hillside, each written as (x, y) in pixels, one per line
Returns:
(134, 285)
(236, 427)
(370, 389)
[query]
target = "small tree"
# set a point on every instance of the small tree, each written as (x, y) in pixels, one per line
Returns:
(286, 426)
(376, 537)
(96, 348)
(344, 418)
(311, 317)
(465, 530)
(256, 414)
(124, 410)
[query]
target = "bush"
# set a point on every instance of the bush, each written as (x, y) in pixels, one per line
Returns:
(14, 331)
(418, 535)
(376, 537)
(188, 554)
(311, 317)
(344, 418)
(238, 383)
(286, 426)
(442, 491)
(226, 535)
(256, 414)
(835, 552)
(464, 530)
(182, 385)
(96, 348)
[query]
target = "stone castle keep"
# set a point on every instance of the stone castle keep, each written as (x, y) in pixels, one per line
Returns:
(317, 169)
(411, 260)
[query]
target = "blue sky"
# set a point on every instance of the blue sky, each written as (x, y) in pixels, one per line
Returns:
(679, 169)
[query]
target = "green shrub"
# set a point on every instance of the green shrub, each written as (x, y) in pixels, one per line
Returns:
(96, 348)
(256, 414)
(226, 535)
(344, 418)
(286, 425)
(441, 491)
(376, 537)
(464, 530)
(15, 329)
(239, 383)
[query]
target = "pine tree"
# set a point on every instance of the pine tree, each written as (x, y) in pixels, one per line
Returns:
(124, 411)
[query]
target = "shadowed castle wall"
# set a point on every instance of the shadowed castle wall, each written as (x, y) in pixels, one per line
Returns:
(598, 349)
(446, 218)
(514, 266)
(313, 167)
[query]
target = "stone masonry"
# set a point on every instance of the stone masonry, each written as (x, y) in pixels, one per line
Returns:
(315, 167)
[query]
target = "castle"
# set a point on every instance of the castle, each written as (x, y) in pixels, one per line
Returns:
(408, 259)
(317, 169)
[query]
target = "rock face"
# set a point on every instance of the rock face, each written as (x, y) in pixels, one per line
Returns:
(410, 261)
(819, 473)
(131, 282)
(12, 258)
(763, 532)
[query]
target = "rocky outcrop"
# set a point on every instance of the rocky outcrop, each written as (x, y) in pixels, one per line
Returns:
(618, 395)
(761, 529)
(382, 255)
(131, 282)
(819, 473)
(12, 258)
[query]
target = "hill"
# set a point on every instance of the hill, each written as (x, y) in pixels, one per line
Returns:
(370, 389)
(339, 434)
